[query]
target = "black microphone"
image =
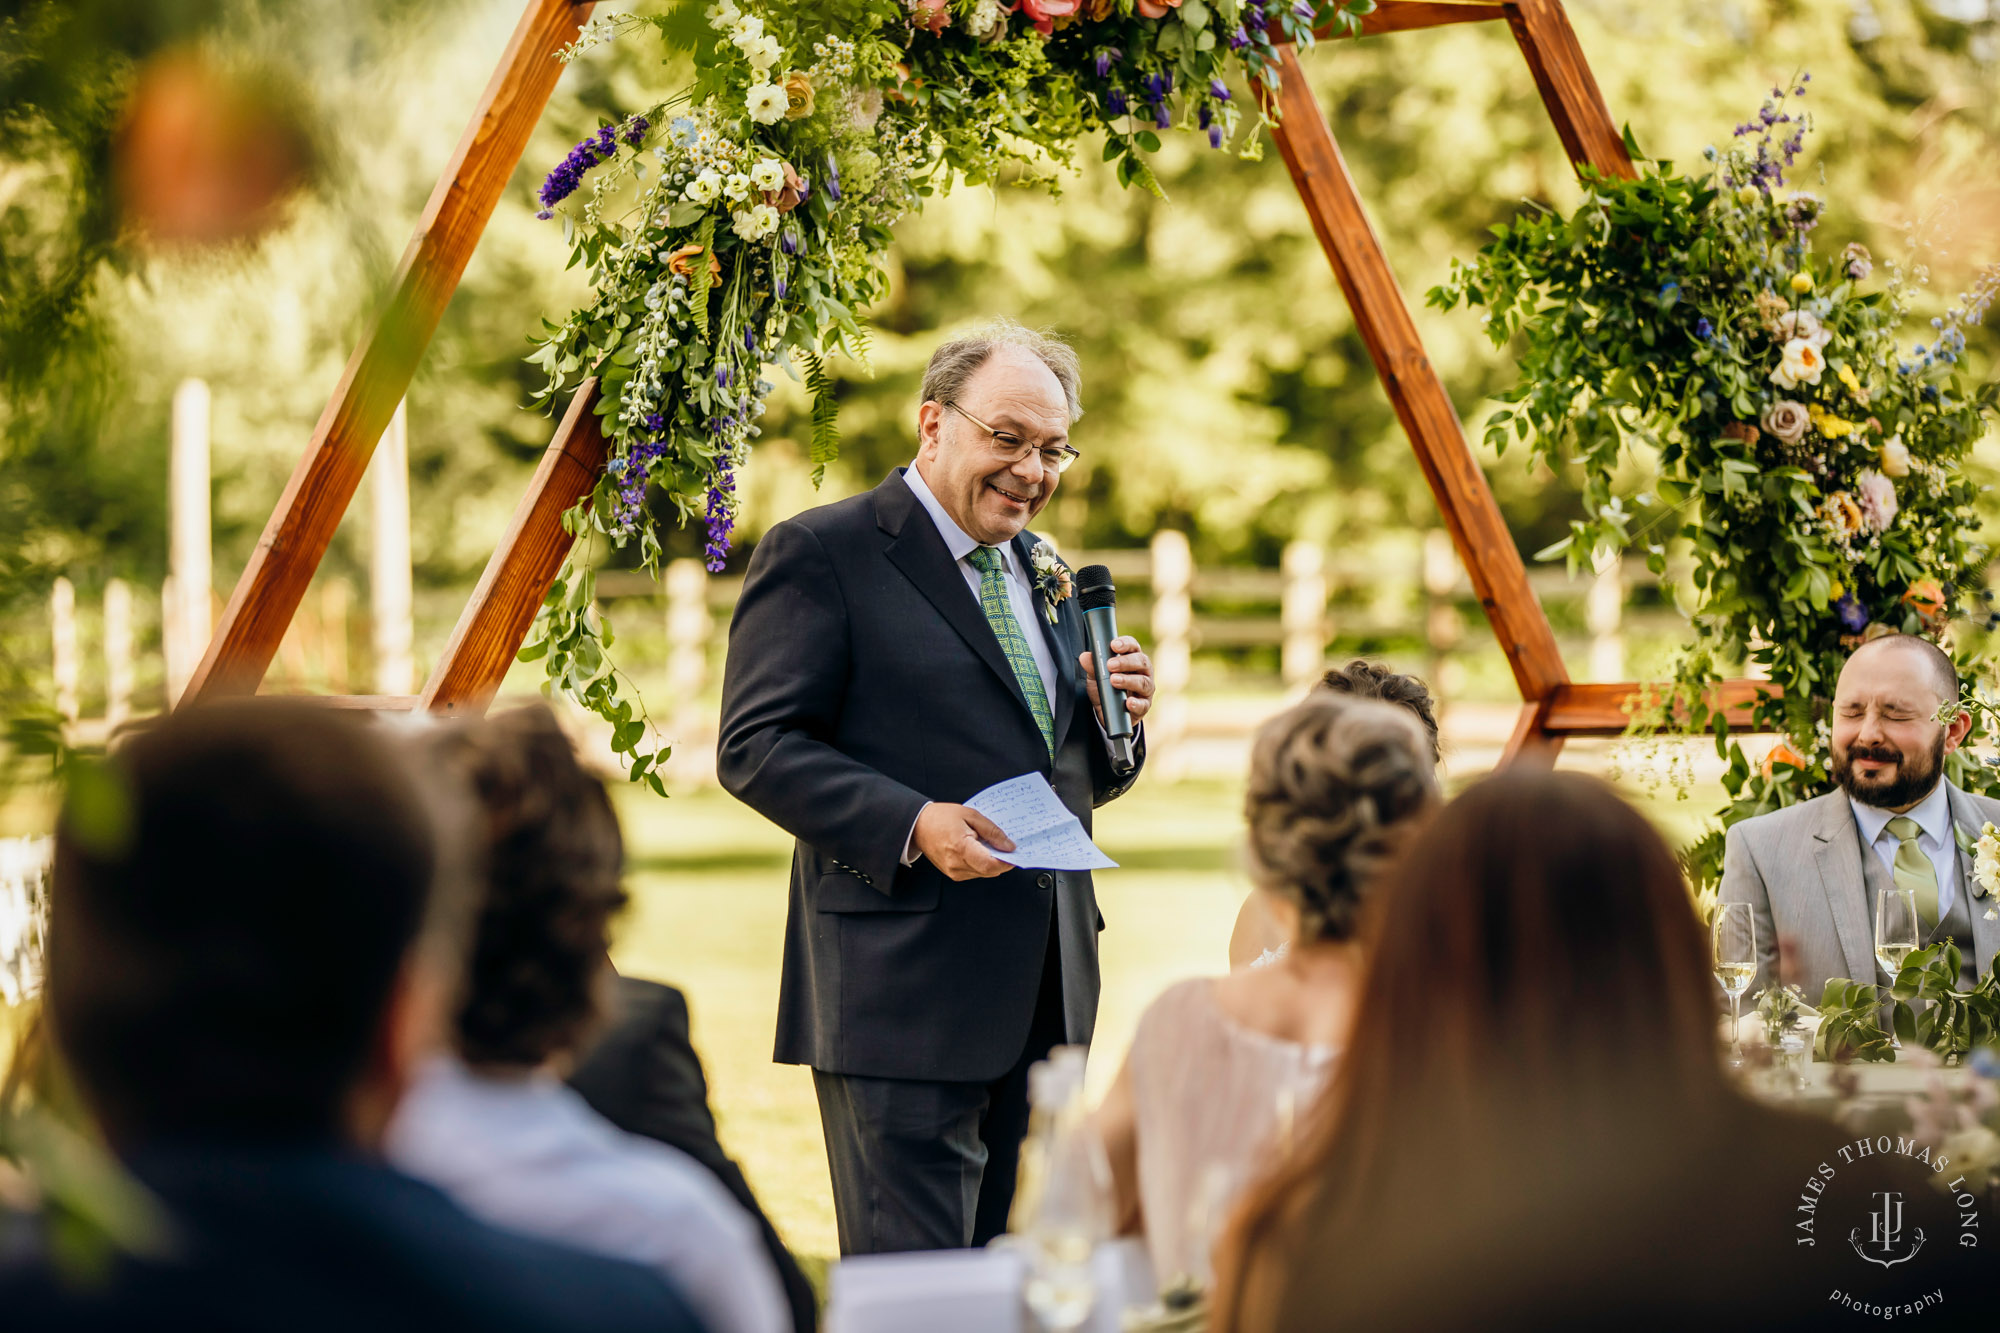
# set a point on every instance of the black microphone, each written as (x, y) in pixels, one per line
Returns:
(1099, 600)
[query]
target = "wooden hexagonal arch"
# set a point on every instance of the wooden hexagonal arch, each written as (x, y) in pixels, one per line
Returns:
(503, 605)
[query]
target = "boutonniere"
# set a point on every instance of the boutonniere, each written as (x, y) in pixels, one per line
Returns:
(1985, 865)
(1052, 579)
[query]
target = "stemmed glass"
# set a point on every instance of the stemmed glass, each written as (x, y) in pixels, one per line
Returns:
(1733, 934)
(1896, 936)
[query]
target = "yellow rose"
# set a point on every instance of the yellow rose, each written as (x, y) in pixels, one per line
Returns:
(1802, 283)
(798, 96)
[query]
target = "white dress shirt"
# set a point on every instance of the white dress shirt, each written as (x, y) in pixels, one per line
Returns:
(1933, 816)
(527, 1154)
(1020, 585)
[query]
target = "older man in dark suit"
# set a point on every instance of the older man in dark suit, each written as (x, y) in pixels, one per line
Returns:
(892, 655)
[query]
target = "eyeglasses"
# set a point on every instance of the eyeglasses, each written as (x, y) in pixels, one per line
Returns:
(1056, 457)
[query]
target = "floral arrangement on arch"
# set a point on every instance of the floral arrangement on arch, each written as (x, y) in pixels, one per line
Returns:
(1807, 455)
(738, 229)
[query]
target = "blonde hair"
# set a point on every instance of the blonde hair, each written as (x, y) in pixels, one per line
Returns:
(1334, 782)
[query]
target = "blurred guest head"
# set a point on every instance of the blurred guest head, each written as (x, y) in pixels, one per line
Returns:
(1369, 680)
(238, 900)
(1537, 1000)
(1334, 783)
(539, 960)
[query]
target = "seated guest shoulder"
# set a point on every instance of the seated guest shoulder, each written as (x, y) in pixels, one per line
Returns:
(520, 1150)
(325, 1241)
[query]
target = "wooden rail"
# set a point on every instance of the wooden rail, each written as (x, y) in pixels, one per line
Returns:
(379, 372)
(524, 565)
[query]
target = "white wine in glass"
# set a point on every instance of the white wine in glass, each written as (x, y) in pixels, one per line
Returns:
(1896, 934)
(1733, 934)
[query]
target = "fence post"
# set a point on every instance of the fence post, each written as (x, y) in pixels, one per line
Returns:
(62, 636)
(391, 590)
(117, 654)
(1302, 608)
(1173, 653)
(1603, 609)
(1442, 626)
(187, 623)
(689, 627)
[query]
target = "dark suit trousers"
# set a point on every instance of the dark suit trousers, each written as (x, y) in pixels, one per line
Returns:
(924, 1165)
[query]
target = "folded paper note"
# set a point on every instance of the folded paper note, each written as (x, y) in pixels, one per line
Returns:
(1046, 836)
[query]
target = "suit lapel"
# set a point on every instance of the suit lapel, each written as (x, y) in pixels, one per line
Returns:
(1968, 818)
(919, 552)
(1058, 635)
(1843, 884)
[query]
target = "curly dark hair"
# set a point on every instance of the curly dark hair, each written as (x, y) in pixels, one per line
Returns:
(554, 861)
(1334, 783)
(1366, 680)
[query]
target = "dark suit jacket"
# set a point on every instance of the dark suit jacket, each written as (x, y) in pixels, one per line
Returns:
(862, 681)
(643, 1076)
(311, 1240)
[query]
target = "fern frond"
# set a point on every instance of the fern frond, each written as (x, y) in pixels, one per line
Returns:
(703, 277)
(825, 417)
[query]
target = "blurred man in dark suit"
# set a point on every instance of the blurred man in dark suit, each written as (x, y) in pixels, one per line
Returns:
(252, 932)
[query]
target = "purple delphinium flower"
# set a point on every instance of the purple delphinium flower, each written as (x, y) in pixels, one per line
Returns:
(788, 241)
(1205, 118)
(1160, 116)
(1253, 17)
(749, 340)
(1107, 56)
(720, 487)
(1853, 615)
(1303, 10)
(1114, 103)
(832, 178)
(568, 174)
(635, 130)
(632, 473)
(1218, 90)
(1703, 329)
(723, 374)
(1215, 136)
(1239, 39)
(783, 287)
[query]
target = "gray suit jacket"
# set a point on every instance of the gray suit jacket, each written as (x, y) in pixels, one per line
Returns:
(1811, 886)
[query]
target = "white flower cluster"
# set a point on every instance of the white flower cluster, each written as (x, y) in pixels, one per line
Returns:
(985, 15)
(765, 101)
(833, 59)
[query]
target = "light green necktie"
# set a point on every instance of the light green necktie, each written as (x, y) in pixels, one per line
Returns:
(999, 609)
(1914, 870)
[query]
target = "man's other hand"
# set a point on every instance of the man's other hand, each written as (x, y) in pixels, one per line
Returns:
(959, 841)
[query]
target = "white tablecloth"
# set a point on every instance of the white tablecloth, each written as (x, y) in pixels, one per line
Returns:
(971, 1291)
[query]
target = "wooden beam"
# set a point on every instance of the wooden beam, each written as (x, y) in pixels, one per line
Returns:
(1410, 15)
(1471, 516)
(526, 563)
(379, 372)
(1568, 88)
(1600, 709)
(1531, 743)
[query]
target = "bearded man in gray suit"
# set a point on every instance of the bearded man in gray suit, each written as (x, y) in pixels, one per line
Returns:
(1813, 872)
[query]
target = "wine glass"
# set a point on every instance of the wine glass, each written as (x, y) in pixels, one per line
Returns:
(1896, 934)
(1733, 934)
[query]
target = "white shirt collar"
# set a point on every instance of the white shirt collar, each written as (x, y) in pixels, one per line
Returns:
(956, 539)
(1933, 816)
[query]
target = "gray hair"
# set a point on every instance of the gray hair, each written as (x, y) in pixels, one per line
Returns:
(953, 363)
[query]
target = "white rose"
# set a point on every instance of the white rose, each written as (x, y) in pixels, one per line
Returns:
(767, 103)
(768, 174)
(1800, 363)
(703, 188)
(1896, 460)
(754, 224)
(763, 53)
(723, 14)
(736, 186)
(1877, 495)
(746, 30)
(985, 15)
(1803, 324)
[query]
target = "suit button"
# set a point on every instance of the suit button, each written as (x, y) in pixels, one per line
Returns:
(1045, 881)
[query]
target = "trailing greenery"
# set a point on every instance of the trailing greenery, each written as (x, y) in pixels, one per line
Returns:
(1952, 1022)
(1810, 463)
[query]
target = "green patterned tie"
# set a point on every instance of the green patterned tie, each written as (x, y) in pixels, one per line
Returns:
(1914, 870)
(999, 609)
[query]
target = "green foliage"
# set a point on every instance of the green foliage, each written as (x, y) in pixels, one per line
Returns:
(1951, 1023)
(1815, 473)
(570, 641)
